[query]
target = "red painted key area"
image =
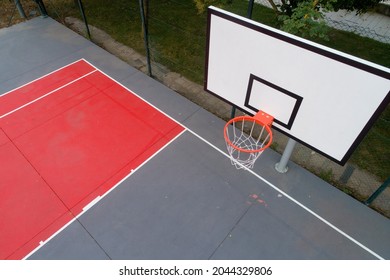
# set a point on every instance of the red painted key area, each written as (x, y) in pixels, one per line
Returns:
(64, 140)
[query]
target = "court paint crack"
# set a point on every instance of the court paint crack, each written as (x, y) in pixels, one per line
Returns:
(228, 235)
(93, 238)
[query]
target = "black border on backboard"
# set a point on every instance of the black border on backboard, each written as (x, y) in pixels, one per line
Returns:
(310, 47)
(298, 99)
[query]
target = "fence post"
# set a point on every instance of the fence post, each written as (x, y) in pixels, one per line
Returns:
(20, 9)
(250, 9)
(347, 174)
(146, 35)
(42, 8)
(81, 7)
(377, 192)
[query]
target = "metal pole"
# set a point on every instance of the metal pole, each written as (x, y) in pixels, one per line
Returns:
(377, 192)
(81, 7)
(347, 174)
(42, 8)
(146, 36)
(233, 112)
(20, 9)
(250, 9)
(248, 15)
(281, 166)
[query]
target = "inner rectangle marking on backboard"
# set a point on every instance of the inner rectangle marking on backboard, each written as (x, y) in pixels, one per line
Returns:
(282, 104)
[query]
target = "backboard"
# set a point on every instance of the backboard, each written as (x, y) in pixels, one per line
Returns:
(323, 98)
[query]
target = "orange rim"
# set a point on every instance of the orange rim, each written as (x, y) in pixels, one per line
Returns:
(252, 119)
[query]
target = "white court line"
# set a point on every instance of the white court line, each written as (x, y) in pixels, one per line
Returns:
(225, 154)
(47, 94)
(295, 201)
(99, 198)
(41, 77)
(134, 93)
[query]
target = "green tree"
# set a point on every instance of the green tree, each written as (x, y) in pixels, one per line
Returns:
(305, 17)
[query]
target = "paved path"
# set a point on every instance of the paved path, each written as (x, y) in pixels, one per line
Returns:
(370, 24)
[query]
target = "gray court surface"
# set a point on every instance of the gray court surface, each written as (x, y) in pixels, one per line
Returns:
(188, 201)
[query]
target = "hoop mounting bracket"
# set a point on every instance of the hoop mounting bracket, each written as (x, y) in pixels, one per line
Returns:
(264, 118)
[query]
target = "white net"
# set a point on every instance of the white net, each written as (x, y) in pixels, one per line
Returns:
(246, 139)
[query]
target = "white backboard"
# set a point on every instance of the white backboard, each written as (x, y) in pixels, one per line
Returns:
(318, 96)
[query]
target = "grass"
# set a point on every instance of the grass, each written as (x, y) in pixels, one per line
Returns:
(178, 37)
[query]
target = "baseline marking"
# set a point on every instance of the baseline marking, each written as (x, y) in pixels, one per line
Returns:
(134, 93)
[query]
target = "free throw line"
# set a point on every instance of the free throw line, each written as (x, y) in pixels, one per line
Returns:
(45, 95)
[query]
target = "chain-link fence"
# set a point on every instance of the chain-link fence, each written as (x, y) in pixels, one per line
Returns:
(11, 13)
(175, 40)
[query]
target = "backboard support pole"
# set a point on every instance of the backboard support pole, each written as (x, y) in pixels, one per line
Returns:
(281, 166)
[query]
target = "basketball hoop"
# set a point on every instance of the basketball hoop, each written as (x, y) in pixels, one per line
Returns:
(247, 137)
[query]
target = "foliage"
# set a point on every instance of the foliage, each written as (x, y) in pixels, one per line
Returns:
(306, 19)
